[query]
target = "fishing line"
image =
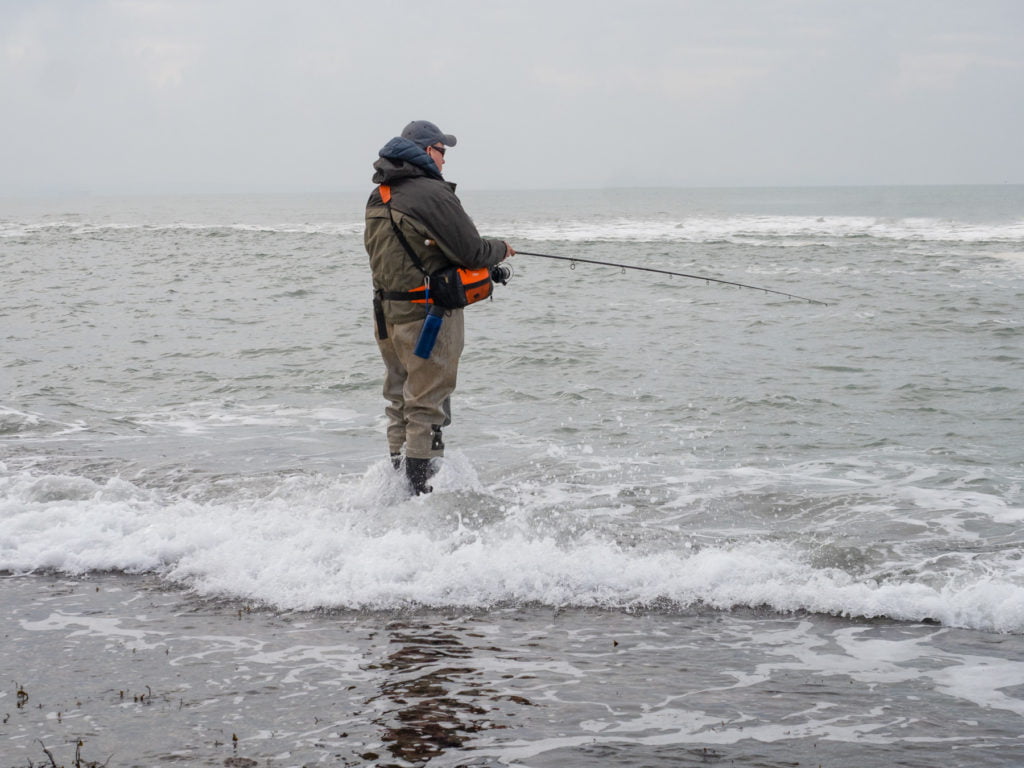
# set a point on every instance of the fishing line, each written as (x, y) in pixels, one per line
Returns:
(574, 259)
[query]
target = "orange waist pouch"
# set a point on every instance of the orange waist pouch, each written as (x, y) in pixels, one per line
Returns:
(456, 287)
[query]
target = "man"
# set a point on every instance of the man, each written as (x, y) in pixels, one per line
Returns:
(416, 210)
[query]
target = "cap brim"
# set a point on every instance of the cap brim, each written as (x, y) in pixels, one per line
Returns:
(448, 140)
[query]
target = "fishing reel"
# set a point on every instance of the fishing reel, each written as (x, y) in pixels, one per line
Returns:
(501, 273)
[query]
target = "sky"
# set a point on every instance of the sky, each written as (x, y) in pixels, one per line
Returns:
(169, 96)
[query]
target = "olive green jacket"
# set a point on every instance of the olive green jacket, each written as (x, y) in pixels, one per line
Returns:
(425, 208)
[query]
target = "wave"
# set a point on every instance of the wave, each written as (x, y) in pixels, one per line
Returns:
(737, 229)
(307, 542)
(785, 230)
(14, 422)
(70, 227)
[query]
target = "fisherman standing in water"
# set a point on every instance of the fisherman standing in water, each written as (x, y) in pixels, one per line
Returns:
(415, 228)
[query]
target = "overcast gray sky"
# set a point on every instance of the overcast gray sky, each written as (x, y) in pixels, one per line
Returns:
(254, 95)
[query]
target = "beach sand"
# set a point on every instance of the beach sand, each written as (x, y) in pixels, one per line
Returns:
(125, 670)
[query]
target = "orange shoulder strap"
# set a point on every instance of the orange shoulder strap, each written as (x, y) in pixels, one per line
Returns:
(385, 193)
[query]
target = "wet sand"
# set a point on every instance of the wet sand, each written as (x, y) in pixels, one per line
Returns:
(129, 671)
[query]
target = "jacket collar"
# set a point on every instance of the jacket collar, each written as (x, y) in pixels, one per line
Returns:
(403, 150)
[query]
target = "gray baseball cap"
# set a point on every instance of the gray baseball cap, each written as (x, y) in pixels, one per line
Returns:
(424, 133)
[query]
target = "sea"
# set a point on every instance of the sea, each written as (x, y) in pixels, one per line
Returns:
(765, 512)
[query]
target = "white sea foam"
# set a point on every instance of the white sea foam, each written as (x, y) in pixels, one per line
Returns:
(205, 417)
(357, 542)
(748, 229)
(853, 658)
(781, 230)
(14, 421)
(74, 227)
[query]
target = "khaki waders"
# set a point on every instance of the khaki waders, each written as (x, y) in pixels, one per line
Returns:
(418, 390)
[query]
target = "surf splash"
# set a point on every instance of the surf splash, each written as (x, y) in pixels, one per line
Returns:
(309, 542)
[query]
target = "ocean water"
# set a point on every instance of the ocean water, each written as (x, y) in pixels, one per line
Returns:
(823, 501)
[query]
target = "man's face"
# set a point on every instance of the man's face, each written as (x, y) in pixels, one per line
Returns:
(436, 152)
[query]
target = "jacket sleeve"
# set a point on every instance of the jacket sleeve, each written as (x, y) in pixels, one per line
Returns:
(457, 236)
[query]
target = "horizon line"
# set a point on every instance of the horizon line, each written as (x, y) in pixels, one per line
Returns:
(292, 191)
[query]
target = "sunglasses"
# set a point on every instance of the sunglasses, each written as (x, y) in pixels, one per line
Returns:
(440, 149)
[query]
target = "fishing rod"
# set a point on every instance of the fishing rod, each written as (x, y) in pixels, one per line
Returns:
(574, 259)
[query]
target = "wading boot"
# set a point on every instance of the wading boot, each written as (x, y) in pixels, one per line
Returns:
(418, 471)
(396, 461)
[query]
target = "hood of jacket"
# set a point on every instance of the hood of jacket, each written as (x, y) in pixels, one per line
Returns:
(401, 159)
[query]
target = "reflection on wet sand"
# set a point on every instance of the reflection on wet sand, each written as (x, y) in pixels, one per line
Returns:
(439, 698)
